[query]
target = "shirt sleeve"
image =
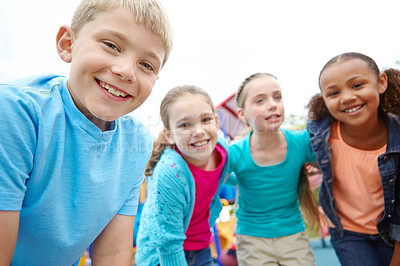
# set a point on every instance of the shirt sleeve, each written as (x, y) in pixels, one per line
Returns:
(131, 204)
(170, 207)
(395, 226)
(18, 134)
(310, 157)
(233, 156)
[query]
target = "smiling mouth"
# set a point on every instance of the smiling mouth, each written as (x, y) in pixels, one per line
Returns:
(112, 90)
(351, 110)
(200, 143)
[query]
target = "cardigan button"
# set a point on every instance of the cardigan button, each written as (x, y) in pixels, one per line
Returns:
(393, 201)
(389, 216)
(392, 182)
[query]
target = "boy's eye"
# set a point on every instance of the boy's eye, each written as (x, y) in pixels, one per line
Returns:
(112, 46)
(147, 66)
(358, 85)
(207, 119)
(259, 100)
(278, 97)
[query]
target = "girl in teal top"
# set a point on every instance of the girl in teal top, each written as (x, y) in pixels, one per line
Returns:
(267, 164)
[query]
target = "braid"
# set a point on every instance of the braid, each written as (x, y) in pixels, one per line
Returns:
(390, 99)
(160, 145)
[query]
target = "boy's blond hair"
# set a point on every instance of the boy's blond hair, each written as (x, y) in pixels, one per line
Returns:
(149, 13)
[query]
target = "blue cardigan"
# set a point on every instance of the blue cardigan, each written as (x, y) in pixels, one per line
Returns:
(168, 210)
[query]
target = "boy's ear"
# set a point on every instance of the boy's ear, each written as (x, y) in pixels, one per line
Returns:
(64, 42)
(168, 136)
(382, 82)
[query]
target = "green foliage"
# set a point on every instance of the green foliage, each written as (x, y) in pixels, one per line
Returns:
(296, 121)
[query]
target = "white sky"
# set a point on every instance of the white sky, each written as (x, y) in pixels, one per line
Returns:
(218, 43)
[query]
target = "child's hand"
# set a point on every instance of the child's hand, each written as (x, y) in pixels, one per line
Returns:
(396, 255)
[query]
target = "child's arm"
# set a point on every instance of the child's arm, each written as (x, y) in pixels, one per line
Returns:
(170, 209)
(9, 221)
(230, 180)
(114, 245)
(17, 148)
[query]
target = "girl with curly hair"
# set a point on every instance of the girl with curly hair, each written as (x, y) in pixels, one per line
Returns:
(354, 128)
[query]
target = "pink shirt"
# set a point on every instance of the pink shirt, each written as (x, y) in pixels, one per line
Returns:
(198, 234)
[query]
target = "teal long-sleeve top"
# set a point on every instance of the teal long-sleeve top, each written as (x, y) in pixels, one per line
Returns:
(168, 210)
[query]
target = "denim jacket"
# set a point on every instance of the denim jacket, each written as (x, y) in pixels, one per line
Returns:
(389, 168)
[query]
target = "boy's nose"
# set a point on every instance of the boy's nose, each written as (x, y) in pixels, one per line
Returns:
(126, 70)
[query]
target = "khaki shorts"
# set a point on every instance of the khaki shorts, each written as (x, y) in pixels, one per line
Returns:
(292, 250)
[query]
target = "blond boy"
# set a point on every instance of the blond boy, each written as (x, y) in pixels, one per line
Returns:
(71, 161)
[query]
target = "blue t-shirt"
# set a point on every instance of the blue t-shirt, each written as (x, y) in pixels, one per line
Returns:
(268, 204)
(67, 178)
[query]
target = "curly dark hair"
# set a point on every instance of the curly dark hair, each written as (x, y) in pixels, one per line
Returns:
(389, 100)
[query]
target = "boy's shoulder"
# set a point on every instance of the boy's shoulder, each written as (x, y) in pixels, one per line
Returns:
(32, 95)
(35, 88)
(40, 83)
(136, 127)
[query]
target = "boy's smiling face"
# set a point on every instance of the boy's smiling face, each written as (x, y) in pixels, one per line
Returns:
(115, 63)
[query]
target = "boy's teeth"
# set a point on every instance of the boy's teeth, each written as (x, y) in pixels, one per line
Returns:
(198, 144)
(114, 91)
(352, 109)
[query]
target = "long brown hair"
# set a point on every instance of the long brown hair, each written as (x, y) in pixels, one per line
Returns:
(161, 142)
(389, 101)
(308, 202)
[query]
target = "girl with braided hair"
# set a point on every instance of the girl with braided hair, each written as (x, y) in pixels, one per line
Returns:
(186, 170)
